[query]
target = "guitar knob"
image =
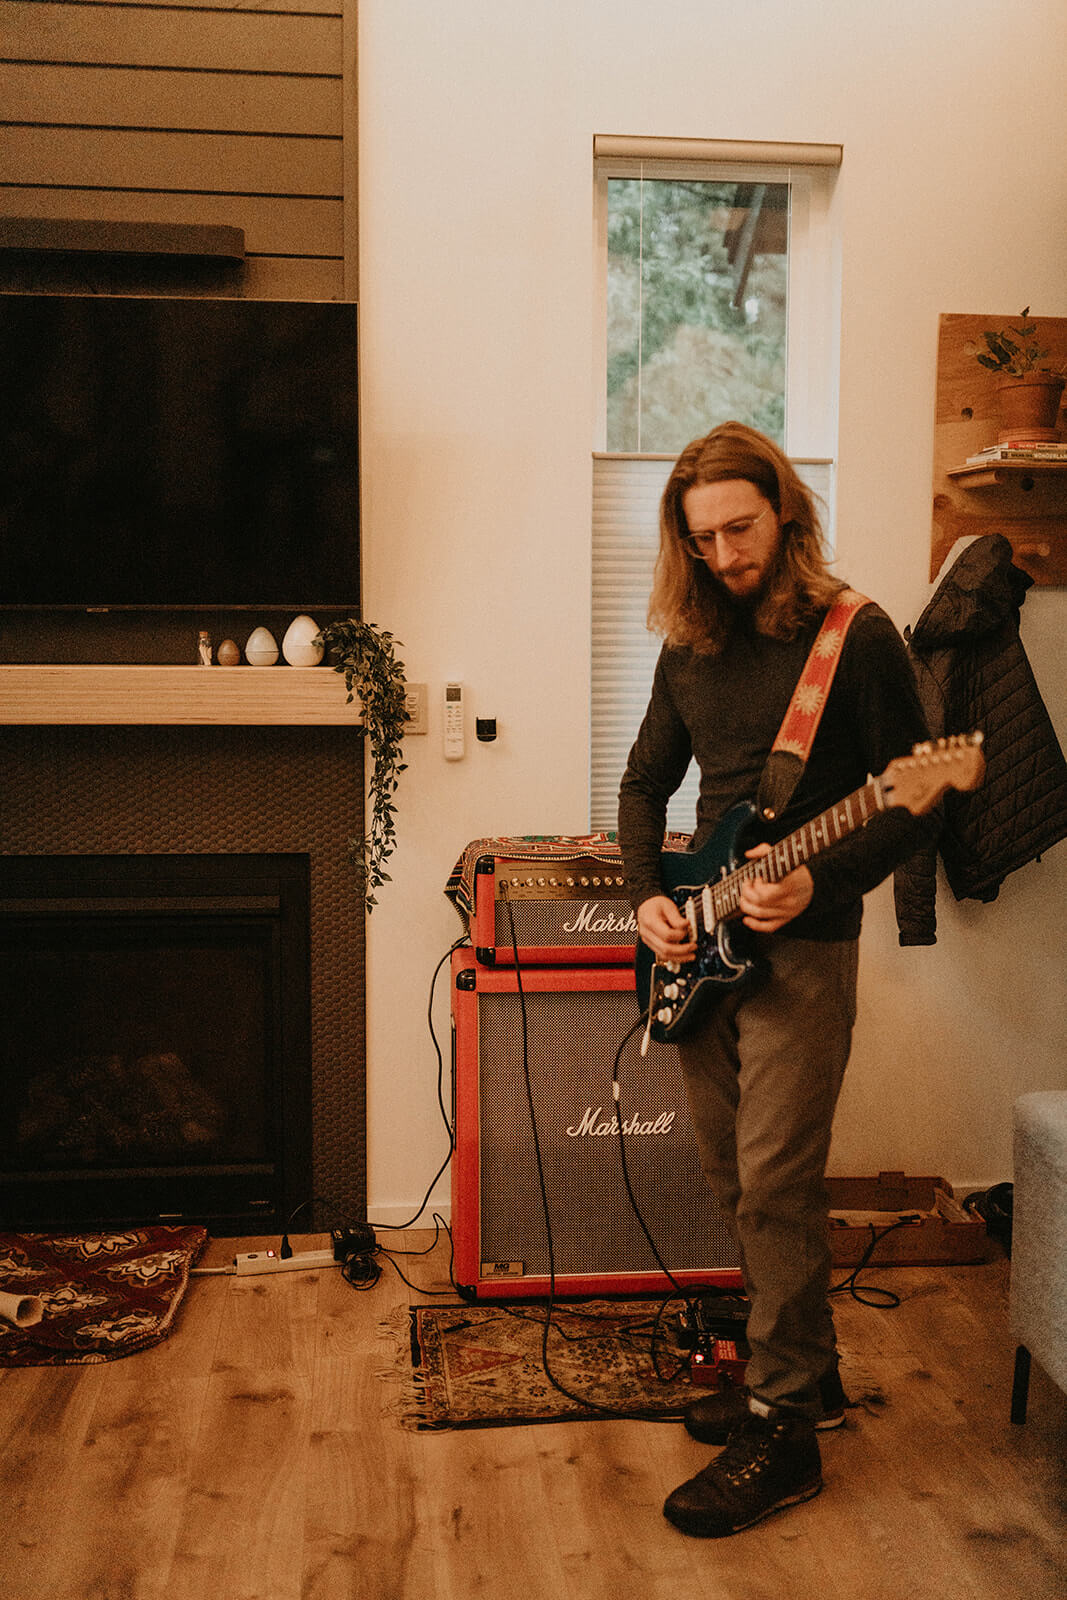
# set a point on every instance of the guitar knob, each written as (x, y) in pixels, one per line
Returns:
(664, 1014)
(671, 992)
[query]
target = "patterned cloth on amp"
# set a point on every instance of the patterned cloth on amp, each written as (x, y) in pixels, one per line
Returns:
(535, 847)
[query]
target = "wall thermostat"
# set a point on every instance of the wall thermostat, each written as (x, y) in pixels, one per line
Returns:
(454, 721)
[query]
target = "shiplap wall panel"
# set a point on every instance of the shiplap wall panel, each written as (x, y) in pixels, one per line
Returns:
(308, 7)
(202, 162)
(272, 226)
(150, 36)
(133, 97)
(187, 111)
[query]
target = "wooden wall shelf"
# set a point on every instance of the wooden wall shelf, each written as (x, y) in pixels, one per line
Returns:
(1007, 474)
(183, 696)
(1025, 501)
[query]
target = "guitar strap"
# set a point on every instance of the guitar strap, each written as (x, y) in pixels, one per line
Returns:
(792, 745)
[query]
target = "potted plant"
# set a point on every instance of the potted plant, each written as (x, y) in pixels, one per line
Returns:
(366, 655)
(1028, 392)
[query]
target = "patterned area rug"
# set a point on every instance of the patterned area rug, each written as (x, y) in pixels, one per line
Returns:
(463, 1366)
(102, 1295)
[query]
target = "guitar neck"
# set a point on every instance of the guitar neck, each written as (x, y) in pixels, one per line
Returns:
(799, 847)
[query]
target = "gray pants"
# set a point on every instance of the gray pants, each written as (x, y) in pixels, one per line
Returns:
(763, 1073)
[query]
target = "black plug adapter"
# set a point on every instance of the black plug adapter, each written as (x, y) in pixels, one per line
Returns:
(356, 1240)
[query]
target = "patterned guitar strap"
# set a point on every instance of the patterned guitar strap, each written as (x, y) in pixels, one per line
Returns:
(792, 745)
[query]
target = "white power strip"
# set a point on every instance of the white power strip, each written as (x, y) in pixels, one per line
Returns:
(271, 1261)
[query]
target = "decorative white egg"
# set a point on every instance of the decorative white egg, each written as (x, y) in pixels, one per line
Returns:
(298, 646)
(261, 649)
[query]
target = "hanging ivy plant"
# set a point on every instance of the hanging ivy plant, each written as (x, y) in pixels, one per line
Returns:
(373, 674)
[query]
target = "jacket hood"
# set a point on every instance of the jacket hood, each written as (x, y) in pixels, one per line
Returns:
(981, 591)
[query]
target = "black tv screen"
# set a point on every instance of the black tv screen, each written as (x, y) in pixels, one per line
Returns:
(162, 452)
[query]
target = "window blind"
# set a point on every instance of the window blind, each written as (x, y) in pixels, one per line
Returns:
(626, 496)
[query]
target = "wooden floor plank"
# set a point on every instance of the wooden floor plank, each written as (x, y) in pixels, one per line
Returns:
(362, 1537)
(136, 1459)
(46, 1415)
(241, 1532)
(255, 1455)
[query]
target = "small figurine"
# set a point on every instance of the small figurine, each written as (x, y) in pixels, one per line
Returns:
(204, 649)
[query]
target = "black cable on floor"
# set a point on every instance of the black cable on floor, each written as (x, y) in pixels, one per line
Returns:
(887, 1300)
(636, 1414)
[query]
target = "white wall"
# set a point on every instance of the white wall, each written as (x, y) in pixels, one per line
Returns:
(477, 120)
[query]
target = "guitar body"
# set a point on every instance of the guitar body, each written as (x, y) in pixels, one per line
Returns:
(706, 885)
(726, 956)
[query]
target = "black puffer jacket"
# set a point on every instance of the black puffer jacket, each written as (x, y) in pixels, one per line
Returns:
(972, 673)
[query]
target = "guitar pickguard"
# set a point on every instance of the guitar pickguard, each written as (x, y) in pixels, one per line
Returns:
(726, 956)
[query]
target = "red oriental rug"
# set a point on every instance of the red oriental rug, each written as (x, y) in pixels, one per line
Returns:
(98, 1295)
(477, 1366)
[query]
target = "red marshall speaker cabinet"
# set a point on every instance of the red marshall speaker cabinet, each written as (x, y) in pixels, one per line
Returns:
(575, 1020)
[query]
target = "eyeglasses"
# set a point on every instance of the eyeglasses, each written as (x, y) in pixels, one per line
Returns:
(702, 544)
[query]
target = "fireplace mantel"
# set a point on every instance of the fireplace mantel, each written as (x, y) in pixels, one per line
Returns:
(74, 696)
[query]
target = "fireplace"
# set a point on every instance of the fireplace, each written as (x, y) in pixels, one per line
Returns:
(249, 803)
(155, 1054)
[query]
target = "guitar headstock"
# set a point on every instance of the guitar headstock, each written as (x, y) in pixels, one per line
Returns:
(918, 781)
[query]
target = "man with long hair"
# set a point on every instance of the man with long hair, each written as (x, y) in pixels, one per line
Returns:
(741, 589)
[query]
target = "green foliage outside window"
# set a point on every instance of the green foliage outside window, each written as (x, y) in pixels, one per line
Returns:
(692, 341)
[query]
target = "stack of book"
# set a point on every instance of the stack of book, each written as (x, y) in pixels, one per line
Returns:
(1039, 450)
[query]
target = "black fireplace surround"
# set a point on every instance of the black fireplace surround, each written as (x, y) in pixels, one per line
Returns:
(155, 1057)
(102, 799)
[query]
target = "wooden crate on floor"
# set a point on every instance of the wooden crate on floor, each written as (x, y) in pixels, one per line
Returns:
(937, 1231)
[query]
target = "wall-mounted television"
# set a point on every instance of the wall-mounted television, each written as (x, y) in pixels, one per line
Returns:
(178, 453)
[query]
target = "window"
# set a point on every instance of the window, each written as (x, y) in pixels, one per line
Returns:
(716, 302)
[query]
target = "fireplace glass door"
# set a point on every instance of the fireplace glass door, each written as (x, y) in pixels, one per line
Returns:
(155, 1049)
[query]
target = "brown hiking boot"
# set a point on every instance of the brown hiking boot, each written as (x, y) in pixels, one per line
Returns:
(713, 1417)
(769, 1463)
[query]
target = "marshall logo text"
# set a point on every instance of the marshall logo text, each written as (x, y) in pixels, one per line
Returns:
(591, 1127)
(587, 921)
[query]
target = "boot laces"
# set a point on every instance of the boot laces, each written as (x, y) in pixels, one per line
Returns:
(748, 1451)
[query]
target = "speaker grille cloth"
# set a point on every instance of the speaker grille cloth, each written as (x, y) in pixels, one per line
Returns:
(564, 922)
(571, 1043)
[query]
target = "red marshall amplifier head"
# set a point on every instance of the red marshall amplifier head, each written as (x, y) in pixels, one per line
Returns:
(557, 912)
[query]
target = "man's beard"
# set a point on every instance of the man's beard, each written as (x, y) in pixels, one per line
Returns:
(749, 600)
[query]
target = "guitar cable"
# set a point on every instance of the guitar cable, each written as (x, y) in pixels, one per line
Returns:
(639, 1414)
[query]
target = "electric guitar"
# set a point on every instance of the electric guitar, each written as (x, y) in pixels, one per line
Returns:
(706, 886)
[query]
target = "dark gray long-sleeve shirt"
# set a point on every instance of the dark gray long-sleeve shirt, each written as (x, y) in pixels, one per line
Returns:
(725, 710)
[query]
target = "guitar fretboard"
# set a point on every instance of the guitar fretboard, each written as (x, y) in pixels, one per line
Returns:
(720, 900)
